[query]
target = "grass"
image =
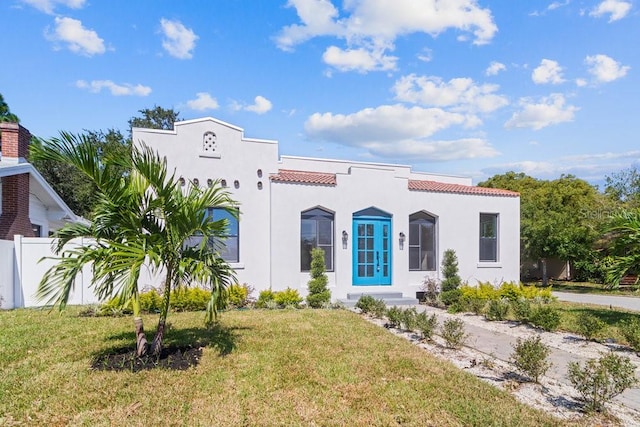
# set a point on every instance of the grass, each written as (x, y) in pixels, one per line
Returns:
(612, 317)
(590, 288)
(285, 367)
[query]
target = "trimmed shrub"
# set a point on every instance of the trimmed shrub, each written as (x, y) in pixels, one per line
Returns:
(288, 298)
(365, 303)
(631, 332)
(600, 380)
(521, 309)
(589, 326)
(451, 297)
(426, 324)
(453, 333)
(530, 357)
(497, 309)
(264, 297)
(451, 280)
(394, 316)
(474, 304)
(378, 309)
(545, 317)
(151, 301)
(319, 295)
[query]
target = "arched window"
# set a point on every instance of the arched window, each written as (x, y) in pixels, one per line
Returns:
(422, 242)
(316, 231)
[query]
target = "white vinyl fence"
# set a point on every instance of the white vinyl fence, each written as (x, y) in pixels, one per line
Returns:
(24, 261)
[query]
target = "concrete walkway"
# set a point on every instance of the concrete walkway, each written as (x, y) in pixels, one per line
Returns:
(500, 345)
(626, 302)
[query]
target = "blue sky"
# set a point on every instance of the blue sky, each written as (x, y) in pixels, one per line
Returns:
(458, 86)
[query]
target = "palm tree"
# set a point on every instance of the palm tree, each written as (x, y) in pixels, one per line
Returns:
(141, 219)
(623, 232)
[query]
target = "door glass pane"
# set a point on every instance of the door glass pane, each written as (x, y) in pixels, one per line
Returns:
(369, 243)
(385, 257)
(361, 242)
(361, 270)
(385, 230)
(369, 270)
(370, 257)
(385, 270)
(360, 229)
(360, 257)
(369, 229)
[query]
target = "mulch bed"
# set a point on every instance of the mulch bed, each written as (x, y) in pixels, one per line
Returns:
(175, 358)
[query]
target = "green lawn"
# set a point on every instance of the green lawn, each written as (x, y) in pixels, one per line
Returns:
(589, 288)
(286, 367)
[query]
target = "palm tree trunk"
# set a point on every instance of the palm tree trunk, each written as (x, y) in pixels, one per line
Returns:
(141, 338)
(156, 345)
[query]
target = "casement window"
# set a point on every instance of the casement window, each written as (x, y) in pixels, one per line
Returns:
(422, 242)
(228, 246)
(316, 231)
(488, 237)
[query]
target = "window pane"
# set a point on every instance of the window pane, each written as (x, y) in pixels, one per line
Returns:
(414, 235)
(232, 223)
(489, 237)
(414, 258)
(328, 257)
(325, 232)
(229, 249)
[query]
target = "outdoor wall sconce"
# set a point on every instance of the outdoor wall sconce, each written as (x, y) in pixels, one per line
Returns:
(345, 239)
(402, 237)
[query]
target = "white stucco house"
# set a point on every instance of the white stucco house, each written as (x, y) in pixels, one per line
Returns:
(383, 227)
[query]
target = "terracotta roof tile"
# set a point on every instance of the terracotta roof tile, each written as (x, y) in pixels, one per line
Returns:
(441, 187)
(304, 177)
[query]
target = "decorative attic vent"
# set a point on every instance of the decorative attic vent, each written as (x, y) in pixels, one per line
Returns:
(209, 142)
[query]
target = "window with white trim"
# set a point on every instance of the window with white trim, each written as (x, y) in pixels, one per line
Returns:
(488, 237)
(228, 246)
(422, 242)
(316, 231)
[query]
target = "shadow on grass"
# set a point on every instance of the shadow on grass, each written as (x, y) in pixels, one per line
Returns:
(182, 349)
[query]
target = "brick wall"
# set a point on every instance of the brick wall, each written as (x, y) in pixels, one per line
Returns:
(15, 189)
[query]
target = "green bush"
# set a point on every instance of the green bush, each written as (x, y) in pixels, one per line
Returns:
(394, 316)
(185, 298)
(451, 280)
(426, 324)
(589, 326)
(600, 380)
(264, 298)
(530, 357)
(288, 298)
(451, 297)
(521, 309)
(474, 304)
(497, 309)
(379, 308)
(453, 333)
(238, 295)
(408, 320)
(365, 304)
(631, 332)
(545, 317)
(151, 301)
(115, 307)
(319, 295)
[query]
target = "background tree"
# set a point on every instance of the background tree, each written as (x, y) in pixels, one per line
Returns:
(624, 187)
(155, 118)
(5, 114)
(319, 294)
(558, 218)
(140, 217)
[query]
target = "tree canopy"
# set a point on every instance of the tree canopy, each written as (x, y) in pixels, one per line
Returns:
(624, 186)
(5, 114)
(155, 118)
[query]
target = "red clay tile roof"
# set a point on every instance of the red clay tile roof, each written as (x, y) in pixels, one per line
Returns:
(441, 187)
(303, 177)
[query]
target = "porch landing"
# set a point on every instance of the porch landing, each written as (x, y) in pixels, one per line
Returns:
(389, 298)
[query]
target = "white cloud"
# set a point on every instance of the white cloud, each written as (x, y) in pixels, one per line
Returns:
(397, 131)
(605, 69)
(426, 55)
(616, 9)
(494, 68)
(260, 105)
(361, 60)
(556, 5)
(374, 25)
(547, 72)
(203, 102)
(460, 94)
(549, 111)
(179, 41)
(78, 39)
(581, 82)
(48, 6)
(125, 89)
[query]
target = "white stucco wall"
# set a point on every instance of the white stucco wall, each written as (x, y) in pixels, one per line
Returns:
(270, 217)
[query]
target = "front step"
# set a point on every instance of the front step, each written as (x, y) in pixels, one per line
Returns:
(390, 298)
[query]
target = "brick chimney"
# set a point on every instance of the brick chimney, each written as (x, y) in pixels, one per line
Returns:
(14, 218)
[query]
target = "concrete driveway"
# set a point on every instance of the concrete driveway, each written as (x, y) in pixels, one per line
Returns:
(626, 302)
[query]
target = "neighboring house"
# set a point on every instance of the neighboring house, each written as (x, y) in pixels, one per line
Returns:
(30, 207)
(383, 227)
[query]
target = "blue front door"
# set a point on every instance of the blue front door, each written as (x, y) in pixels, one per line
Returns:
(372, 251)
